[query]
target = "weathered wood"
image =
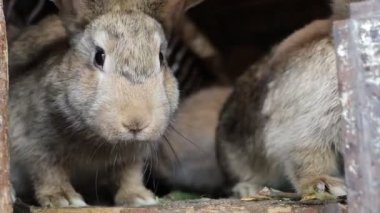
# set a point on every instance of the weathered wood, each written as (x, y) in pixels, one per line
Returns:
(5, 199)
(353, 160)
(358, 46)
(213, 206)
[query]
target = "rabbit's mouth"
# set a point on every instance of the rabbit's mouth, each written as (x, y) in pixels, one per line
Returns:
(107, 132)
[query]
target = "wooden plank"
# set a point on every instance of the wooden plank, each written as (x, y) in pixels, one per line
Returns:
(349, 132)
(5, 199)
(358, 45)
(206, 205)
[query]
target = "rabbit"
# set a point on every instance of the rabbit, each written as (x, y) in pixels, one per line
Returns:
(186, 156)
(281, 126)
(96, 107)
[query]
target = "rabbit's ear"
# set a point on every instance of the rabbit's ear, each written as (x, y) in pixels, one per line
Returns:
(170, 11)
(73, 14)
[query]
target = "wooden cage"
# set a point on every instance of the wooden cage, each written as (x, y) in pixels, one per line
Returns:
(231, 50)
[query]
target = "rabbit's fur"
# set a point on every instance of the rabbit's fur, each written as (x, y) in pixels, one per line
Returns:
(186, 160)
(71, 120)
(34, 42)
(281, 126)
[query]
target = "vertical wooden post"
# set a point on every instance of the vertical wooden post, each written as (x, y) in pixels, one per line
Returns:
(5, 196)
(349, 133)
(358, 52)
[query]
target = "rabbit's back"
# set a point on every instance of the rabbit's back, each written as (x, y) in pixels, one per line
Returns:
(302, 103)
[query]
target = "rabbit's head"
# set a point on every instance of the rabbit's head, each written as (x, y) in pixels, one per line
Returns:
(114, 81)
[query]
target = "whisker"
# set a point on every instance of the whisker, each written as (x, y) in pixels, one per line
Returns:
(184, 137)
(36, 11)
(96, 185)
(147, 165)
(173, 150)
(150, 167)
(116, 155)
(155, 148)
(96, 150)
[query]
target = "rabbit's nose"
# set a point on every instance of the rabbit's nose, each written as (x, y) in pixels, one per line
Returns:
(135, 126)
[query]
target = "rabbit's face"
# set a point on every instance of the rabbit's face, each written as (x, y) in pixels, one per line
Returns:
(120, 85)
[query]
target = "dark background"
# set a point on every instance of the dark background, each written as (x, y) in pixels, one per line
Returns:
(245, 29)
(242, 30)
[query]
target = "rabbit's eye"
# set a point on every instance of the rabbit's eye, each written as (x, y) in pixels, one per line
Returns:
(162, 58)
(100, 57)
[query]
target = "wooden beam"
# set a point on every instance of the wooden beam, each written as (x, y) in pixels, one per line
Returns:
(5, 199)
(357, 46)
(223, 205)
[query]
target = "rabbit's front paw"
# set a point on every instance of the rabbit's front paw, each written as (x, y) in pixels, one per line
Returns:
(136, 198)
(245, 189)
(60, 197)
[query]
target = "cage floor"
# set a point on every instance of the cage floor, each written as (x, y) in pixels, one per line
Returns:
(204, 205)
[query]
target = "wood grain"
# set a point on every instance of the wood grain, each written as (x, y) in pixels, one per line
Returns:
(357, 43)
(224, 205)
(5, 200)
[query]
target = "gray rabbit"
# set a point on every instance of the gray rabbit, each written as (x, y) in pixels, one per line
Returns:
(97, 106)
(281, 125)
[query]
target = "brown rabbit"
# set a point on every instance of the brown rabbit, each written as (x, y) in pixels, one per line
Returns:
(186, 160)
(281, 125)
(93, 109)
